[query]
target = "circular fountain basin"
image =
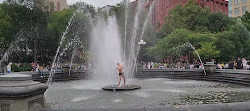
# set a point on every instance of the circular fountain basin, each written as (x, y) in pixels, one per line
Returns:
(117, 88)
(15, 77)
(19, 85)
(154, 92)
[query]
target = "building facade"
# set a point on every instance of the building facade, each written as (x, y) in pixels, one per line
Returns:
(239, 7)
(163, 7)
(106, 8)
(230, 10)
(57, 5)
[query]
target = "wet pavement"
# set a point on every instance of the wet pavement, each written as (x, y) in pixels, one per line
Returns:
(87, 94)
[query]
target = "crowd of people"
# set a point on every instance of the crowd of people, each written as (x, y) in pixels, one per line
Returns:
(240, 63)
(178, 65)
(40, 68)
(235, 64)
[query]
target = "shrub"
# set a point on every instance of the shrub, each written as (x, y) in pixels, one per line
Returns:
(26, 67)
(15, 68)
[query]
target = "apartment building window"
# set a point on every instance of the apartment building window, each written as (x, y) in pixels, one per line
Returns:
(237, 11)
(244, 1)
(230, 13)
(212, 1)
(236, 2)
(244, 9)
(226, 5)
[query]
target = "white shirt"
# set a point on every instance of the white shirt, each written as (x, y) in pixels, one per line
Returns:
(8, 68)
(244, 62)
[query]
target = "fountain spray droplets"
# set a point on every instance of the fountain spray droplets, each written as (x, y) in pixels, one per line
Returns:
(58, 49)
(145, 25)
(191, 46)
(105, 49)
(126, 28)
(12, 46)
(72, 58)
(131, 60)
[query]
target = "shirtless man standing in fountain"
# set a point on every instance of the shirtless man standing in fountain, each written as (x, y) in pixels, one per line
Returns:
(121, 74)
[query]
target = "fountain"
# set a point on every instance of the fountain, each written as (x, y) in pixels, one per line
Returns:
(107, 47)
(191, 46)
(106, 53)
(132, 56)
(58, 49)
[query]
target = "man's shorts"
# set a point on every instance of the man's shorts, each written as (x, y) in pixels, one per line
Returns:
(121, 74)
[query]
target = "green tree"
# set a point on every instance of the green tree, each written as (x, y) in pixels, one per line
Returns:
(191, 17)
(226, 43)
(196, 39)
(246, 20)
(219, 22)
(5, 29)
(195, 18)
(173, 45)
(29, 23)
(248, 48)
(58, 21)
(208, 50)
(242, 35)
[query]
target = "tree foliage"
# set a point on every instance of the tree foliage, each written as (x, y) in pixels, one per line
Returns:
(208, 50)
(194, 18)
(34, 33)
(214, 35)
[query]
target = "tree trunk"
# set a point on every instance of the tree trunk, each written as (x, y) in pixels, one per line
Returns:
(35, 53)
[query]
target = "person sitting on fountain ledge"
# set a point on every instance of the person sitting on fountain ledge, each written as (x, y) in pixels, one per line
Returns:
(121, 74)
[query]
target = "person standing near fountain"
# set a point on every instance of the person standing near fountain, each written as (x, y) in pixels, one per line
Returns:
(9, 67)
(121, 74)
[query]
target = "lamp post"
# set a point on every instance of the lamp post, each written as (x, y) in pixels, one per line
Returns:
(141, 42)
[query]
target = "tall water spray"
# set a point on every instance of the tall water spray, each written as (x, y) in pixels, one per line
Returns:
(191, 46)
(131, 59)
(126, 28)
(58, 49)
(12, 46)
(145, 25)
(106, 49)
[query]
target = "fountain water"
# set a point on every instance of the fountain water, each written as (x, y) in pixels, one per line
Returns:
(106, 54)
(126, 26)
(191, 46)
(106, 46)
(12, 46)
(58, 49)
(145, 25)
(72, 58)
(106, 49)
(131, 59)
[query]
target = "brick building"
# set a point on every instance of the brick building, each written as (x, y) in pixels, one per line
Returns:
(237, 8)
(57, 5)
(163, 7)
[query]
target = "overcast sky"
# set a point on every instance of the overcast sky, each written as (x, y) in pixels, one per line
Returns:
(96, 3)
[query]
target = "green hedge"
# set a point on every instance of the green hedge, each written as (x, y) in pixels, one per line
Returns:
(22, 67)
(26, 67)
(15, 68)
